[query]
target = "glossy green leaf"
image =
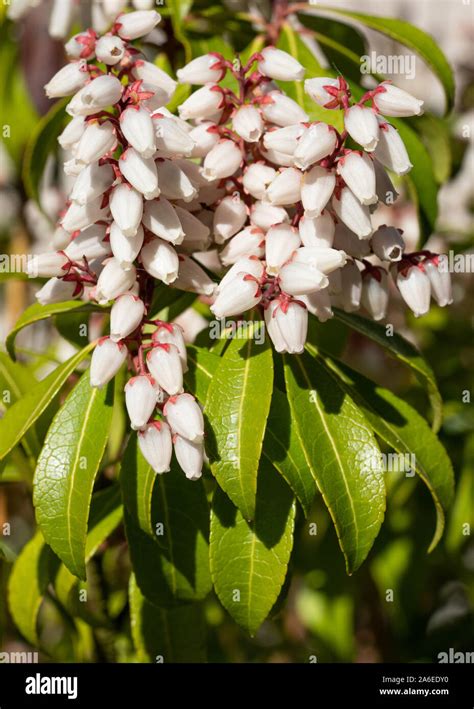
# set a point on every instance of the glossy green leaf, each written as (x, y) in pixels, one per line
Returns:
(66, 471)
(237, 406)
(201, 367)
(40, 145)
(23, 414)
(166, 635)
(174, 568)
(404, 430)
(435, 135)
(15, 381)
(342, 452)
(32, 571)
(37, 312)
(249, 559)
(402, 350)
(282, 447)
(461, 520)
(413, 38)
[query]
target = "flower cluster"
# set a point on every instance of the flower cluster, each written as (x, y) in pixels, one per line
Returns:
(284, 201)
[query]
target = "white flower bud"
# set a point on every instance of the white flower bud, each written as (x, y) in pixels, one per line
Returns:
(137, 24)
(300, 278)
(391, 151)
(126, 205)
(248, 242)
(354, 215)
(440, 280)
(351, 287)
(46, 265)
(203, 138)
(279, 65)
(113, 281)
(281, 241)
(137, 126)
(92, 182)
(109, 49)
(125, 316)
(89, 243)
(357, 171)
(55, 291)
(375, 293)
(164, 363)
(318, 304)
(193, 278)
(285, 188)
(387, 243)
(174, 182)
(161, 218)
(272, 326)
(263, 215)
(80, 216)
(392, 101)
(206, 69)
(281, 110)
(156, 80)
(185, 417)
(349, 242)
(222, 161)
(160, 260)
(106, 360)
(278, 158)
(335, 282)
(140, 400)
(203, 103)
(316, 91)
(172, 334)
(171, 140)
(125, 248)
(292, 321)
(140, 172)
(316, 189)
(362, 125)
(72, 133)
(317, 142)
(238, 295)
(196, 234)
(248, 265)
(97, 140)
(247, 122)
(101, 92)
(256, 178)
(317, 231)
(77, 50)
(386, 192)
(284, 140)
(68, 80)
(229, 218)
(61, 18)
(415, 289)
(61, 238)
(156, 446)
(190, 457)
(322, 259)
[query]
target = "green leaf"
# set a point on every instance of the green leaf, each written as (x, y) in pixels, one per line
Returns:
(23, 414)
(172, 567)
(15, 381)
(413, 38)
(137, 480)
(105, 515)
(282, 447)
(249, 559)
(462, 511)
(291, 42)
(342, 453)
(74, 326)
(399, 425)
(66, 471)
(31, 573)
(237, 406)
(435, 135)
(402, 350)
(37, 312)
(202, 364)
(40, 145)
(166, 635)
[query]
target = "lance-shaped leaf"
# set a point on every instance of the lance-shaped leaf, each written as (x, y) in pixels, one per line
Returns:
(237, 406)
(66, 471)
(105, 515)
(249, 559)
(283, 448)
(137, 480)
(31, 573)
(23, 414)
(15, 381)
(342, 452)
(166, 635)
(402, 350)
(399, 425)
(201, 367)
(172, 567)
